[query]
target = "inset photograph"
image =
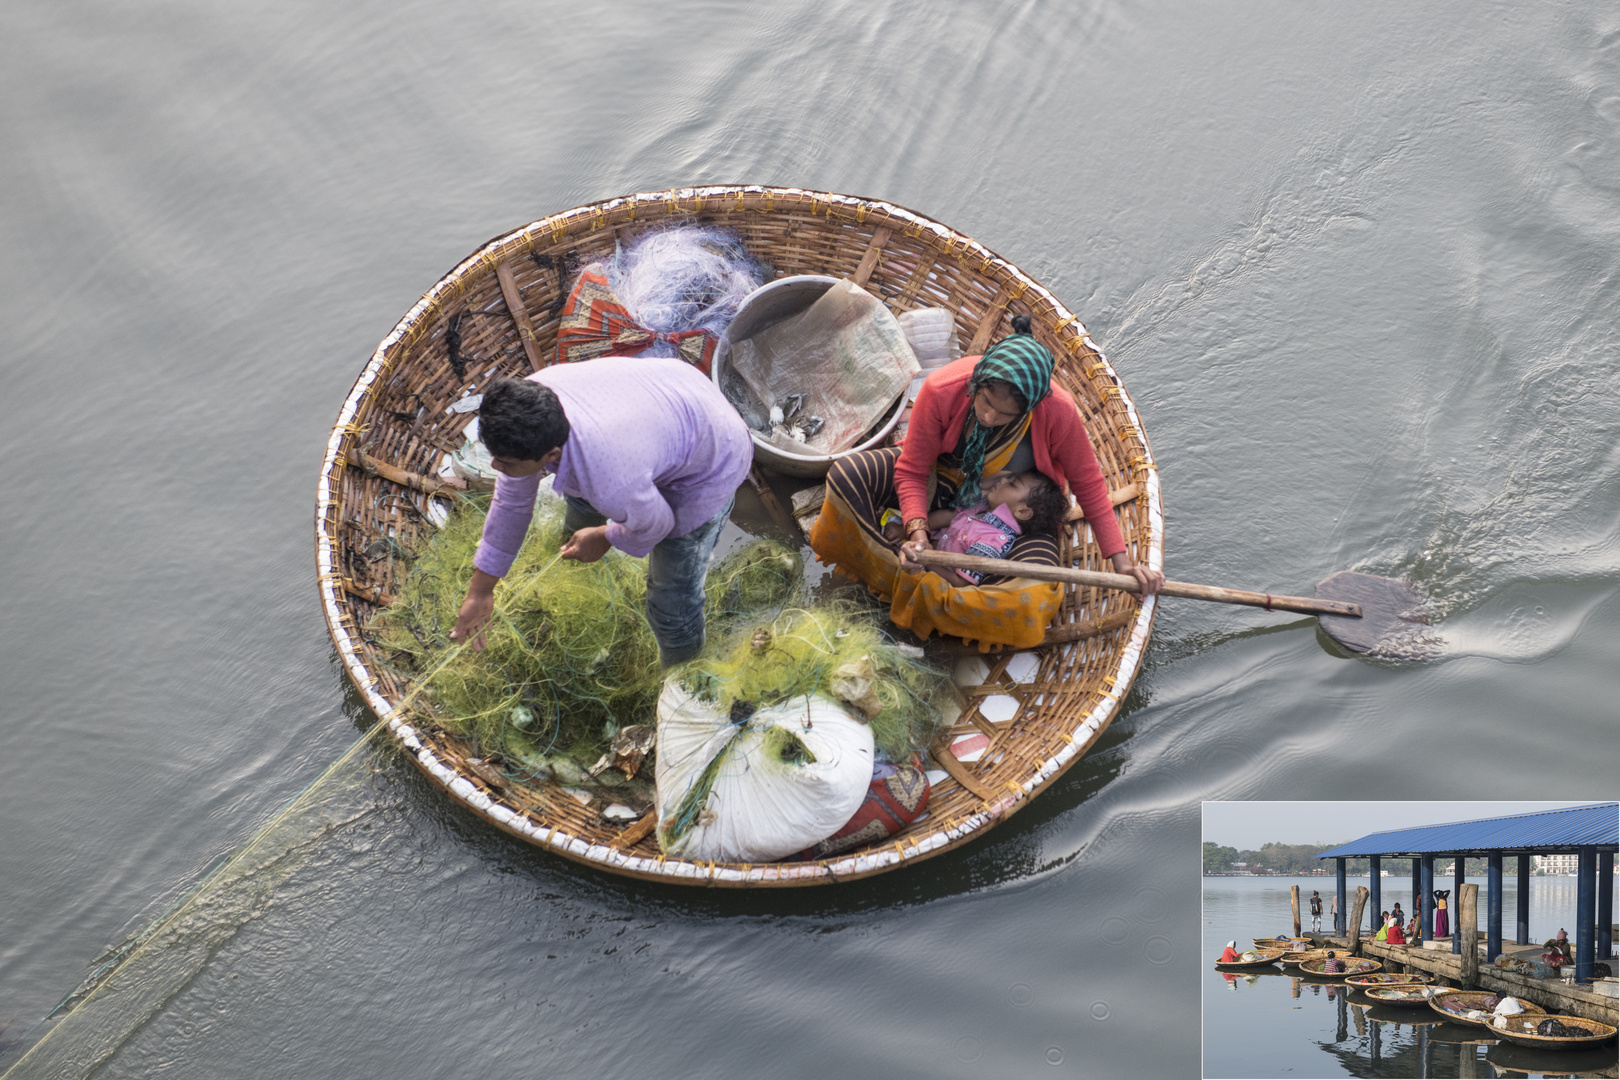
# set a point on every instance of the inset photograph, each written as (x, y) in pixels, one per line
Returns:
(1409, 939)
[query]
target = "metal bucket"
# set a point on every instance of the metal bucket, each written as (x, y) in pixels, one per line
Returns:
(764, 307)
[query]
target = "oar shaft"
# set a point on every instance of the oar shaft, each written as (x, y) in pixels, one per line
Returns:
(1041, 572)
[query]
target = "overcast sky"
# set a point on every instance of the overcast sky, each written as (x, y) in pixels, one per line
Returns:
(1248, 825)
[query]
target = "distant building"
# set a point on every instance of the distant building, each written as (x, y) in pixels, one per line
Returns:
(1555, 865)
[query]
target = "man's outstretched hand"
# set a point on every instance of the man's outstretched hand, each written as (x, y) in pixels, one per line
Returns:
(587, 545)
(476, 610)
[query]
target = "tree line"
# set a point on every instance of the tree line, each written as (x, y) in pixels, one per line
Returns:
(1296, 859)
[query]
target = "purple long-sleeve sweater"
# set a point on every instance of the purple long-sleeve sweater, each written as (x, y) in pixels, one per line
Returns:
(652, 444)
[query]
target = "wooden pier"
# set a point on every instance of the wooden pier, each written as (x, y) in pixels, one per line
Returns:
(1551, 994)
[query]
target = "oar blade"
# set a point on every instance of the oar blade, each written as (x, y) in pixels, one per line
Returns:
(1393, 614)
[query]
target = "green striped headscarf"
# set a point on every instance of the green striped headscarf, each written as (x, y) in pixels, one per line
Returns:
(1025, 365)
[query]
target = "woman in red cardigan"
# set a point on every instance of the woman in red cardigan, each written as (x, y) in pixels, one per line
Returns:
(972, 419)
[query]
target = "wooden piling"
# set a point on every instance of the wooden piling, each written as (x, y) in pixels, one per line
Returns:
(1293, 893)
(1468, 928)
(1355, 918)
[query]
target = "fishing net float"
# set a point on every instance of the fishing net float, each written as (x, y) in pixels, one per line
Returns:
(1026, 717)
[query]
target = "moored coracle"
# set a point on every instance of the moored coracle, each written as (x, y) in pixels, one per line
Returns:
(1581, 1033)
(1287, 944)
(1295, 958)
(497, 313)
(1403, 995)
(1387, 979)
(1354, 965)
(1455, 1004)
(1267, 958)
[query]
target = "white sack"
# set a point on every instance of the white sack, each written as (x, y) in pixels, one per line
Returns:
(1509, 1006)
(760, 807)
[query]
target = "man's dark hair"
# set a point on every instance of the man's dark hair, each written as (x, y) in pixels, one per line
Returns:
(521, 420)
(1048, 507)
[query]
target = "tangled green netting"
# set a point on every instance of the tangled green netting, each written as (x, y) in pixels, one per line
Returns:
(569, 658)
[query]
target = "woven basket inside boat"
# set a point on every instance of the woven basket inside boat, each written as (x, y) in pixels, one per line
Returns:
(399, 422)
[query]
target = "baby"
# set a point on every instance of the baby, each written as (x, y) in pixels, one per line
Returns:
(1023, 502)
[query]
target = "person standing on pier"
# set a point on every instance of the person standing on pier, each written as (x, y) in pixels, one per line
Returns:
(1316, 911)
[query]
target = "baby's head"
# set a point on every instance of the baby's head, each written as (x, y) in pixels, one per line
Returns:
(1035, 501)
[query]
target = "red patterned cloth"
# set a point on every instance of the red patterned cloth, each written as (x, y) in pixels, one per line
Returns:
(897, 796)
(594, 324)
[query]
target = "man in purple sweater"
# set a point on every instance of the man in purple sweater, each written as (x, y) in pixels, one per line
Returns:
(649, 455)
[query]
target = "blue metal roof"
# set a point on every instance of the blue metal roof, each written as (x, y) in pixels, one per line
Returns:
(1544, 831)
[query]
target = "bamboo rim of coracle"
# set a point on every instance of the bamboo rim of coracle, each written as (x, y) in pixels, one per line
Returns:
(378, 474)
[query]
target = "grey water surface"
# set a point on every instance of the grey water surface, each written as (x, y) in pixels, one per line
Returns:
(1357, 264)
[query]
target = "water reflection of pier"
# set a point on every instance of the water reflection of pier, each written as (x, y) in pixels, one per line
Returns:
(1429, 1053)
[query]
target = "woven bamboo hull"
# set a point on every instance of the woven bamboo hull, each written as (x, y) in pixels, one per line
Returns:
(393, 430)
(1353, 963)
(1283, 943)
(1268, 958)
(1381, 994)
(1462, 1000)
(1386, 980)
(1294, 959)
(1603, 1033)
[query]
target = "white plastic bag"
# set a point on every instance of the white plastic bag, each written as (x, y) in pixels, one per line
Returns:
(1509, 1006)
(931, 333)
(762, 804)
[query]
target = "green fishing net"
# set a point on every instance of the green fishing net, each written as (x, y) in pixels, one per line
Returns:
(569, 659)
(836, 650)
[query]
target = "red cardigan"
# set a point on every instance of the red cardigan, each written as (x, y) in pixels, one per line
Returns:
(1058, 436)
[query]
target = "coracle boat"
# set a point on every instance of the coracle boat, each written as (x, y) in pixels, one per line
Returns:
(1354, 965)
(1386, 979)
(1296, 957)
(1456, 1004)
(1580, 1033)
(1287, 944)
(1268, 958)
(497, 314)
(1402, 995)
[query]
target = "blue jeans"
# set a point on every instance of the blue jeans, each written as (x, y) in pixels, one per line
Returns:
(676, 569)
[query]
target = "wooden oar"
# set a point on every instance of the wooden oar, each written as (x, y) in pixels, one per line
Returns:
(1362, 612)
(1042, 572)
